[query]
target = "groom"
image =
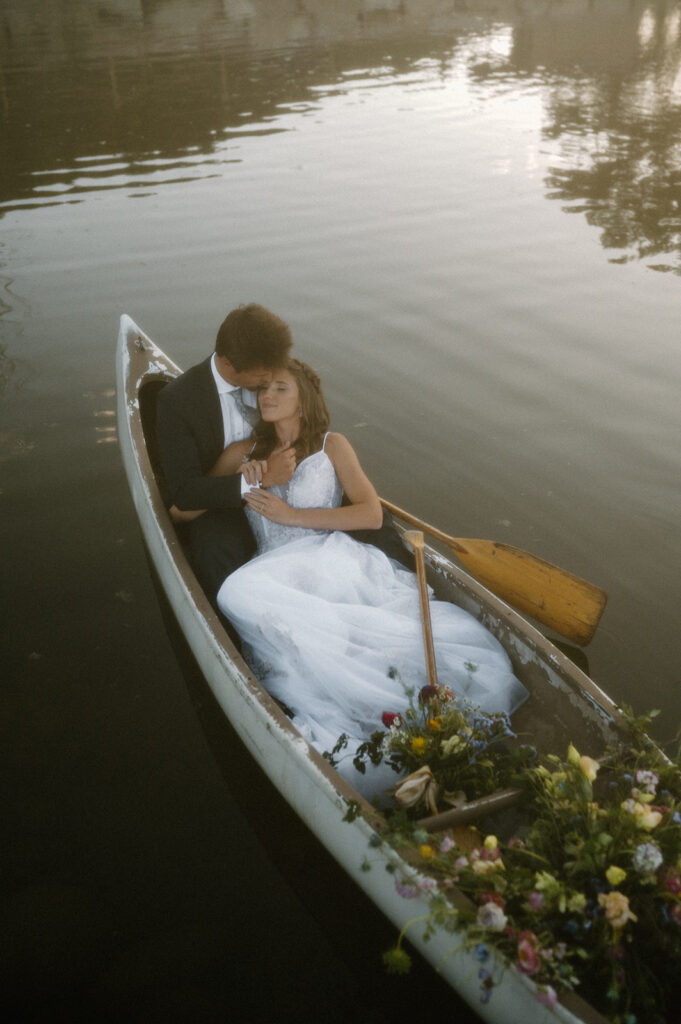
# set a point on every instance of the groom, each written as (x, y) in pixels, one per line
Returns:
(198, 415)
(204, 410)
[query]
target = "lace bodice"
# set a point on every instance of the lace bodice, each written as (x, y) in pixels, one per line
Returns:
(313, 485)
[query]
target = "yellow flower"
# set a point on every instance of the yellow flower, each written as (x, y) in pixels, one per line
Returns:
(576, 902)
(544, 880)
(645, 817)
(434, 725)
(573, 756)
(427, 852)
(491, 843)
(617, 910)
(615, 875)
(449, 746)
(589, 767)
(486, 867)
(418, 745)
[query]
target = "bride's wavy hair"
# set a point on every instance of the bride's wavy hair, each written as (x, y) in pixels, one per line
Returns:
(314, 415)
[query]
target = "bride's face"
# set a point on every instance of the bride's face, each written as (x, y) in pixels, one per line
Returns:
(279, 399)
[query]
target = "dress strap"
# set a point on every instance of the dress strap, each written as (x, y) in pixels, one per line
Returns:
(324, 441)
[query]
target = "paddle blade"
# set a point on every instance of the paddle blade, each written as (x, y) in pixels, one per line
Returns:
(566, 603)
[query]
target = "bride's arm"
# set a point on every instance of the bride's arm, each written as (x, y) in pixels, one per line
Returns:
(363, 513)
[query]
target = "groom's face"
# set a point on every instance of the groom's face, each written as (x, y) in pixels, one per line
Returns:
(249, 379)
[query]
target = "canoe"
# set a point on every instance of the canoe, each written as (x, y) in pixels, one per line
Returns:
(564, 702)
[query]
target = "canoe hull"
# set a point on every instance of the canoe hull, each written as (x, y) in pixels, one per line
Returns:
(316, 793)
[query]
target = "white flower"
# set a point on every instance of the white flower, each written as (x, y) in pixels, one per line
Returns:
(420, 785)
(491, 917)
(647, 858)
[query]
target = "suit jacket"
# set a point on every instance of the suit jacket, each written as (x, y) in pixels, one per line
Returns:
(190, 434)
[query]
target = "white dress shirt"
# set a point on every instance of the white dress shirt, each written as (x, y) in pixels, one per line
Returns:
(236, 427)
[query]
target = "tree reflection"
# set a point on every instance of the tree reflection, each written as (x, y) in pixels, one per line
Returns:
(155, 81)
(617, 122)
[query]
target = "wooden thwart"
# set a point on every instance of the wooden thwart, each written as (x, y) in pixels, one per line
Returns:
(472, 811)
(565, 602)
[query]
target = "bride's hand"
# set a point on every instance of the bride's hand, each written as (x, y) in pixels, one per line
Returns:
(270, 506)
(253, 471)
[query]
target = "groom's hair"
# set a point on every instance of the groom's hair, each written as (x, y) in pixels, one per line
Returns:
(251, 336)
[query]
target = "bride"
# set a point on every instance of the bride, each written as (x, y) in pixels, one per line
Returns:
(330, 626)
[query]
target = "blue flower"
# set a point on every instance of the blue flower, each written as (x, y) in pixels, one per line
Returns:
(482, 952)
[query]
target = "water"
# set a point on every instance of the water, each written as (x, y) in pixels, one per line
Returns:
(470, 215)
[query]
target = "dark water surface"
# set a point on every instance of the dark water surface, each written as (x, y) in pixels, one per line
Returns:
(470, 214)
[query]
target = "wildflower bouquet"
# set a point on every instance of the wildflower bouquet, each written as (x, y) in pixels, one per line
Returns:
(452, 751)
(589, 898)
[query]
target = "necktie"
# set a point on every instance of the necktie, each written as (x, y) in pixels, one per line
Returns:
(248, 412)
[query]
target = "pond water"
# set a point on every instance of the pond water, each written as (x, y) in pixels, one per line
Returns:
(470, 215)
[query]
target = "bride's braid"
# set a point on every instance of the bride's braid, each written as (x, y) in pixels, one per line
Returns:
(307, 372)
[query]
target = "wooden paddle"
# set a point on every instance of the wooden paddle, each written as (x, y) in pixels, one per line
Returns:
(415, 540)
(566, 603)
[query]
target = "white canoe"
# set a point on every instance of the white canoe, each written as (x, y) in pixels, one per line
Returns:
(564, 705)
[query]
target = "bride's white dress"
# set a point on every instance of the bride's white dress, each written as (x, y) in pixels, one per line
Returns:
(332, 628)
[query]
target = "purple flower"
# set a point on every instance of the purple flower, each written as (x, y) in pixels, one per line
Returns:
(405, 889)
(648, 780)
(536, 900)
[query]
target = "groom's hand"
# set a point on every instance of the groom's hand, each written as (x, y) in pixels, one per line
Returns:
(281, 466)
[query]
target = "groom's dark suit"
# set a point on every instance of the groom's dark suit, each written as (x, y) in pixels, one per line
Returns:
(191, 436)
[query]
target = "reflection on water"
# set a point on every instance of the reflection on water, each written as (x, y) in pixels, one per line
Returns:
(102, 98)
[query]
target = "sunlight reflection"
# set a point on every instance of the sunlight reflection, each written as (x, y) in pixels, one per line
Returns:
(646, 28)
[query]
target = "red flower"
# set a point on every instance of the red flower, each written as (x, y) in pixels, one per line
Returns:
(390, 718)
(672, 881)
(428, 693)
(491, 897)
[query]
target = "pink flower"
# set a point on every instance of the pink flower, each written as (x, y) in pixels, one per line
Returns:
(672, 881)
(547, 995)
(447, 844)
(389, 719)
(527, 956)
(536, 900)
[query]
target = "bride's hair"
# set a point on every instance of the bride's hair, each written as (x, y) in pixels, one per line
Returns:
(314, 415)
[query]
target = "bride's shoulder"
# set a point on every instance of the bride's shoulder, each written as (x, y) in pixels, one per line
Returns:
(336, 444)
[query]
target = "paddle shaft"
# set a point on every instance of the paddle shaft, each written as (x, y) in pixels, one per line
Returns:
(415, 539)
